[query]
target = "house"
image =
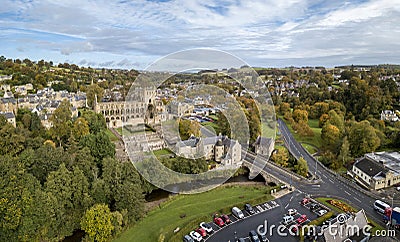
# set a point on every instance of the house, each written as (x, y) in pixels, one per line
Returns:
(347, 227)
(264, 146)
(389, 115)
(217, 148)
(377, 170)
(10, 117)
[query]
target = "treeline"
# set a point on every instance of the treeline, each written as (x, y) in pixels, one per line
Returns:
(343, 139)
(64, 76)
(54, 182)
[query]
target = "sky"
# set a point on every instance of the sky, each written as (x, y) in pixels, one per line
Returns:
(263, 33)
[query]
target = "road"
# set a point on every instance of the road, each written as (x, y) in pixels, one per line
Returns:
(329, 185)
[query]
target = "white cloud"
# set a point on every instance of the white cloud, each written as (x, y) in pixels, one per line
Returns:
(263, 32)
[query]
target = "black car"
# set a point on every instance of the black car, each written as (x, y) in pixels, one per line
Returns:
(314, 206)
(253, 236)
(249, 208)
(262, 237)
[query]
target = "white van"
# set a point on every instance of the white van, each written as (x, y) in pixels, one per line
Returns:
(288, 219)
(237, 212)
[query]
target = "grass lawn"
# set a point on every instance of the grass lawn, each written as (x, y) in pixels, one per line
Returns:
(162, 152)
(267, 131)
(315, 140)
(185, 211)
(111, 135)
(309, 148)
(213, 126)
(324, 200)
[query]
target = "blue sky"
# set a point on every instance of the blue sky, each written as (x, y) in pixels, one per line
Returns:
(133, 34)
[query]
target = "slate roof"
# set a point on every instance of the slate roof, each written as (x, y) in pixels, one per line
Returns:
(371, 168)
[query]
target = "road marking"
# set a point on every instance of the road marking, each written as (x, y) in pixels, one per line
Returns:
(347, 193)
(358, 200)
(331, 181)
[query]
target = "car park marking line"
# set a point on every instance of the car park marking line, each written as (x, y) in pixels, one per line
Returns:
(347, 193)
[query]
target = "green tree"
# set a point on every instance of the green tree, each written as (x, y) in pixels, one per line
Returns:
(344, 155)
(95, 121)
(362, 138)
(97, 223)
(23, 207)
(92, 92)
(99, 145)
(61, 120)
(301, 167)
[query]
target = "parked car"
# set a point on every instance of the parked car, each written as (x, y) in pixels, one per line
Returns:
(237, 212)
(321, 212)
(283, 186)
(219, 221)
(195, 236)
(287, 219)
(291, 211)
(206, 227)
(295, 228)
(241, 240)
(202, 232)
(301, 219)
(226, 219)
(253, 236)
(305, 201)
(262, 237)
(187, 238)
(314, 206)
(249, 208)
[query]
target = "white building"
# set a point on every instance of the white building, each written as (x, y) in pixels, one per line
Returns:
(217, 148)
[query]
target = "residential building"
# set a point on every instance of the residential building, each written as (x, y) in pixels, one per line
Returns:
(377, 170)
(10, 117)
(389, 115)
(349, 228)
(264, 146)
(217, 148)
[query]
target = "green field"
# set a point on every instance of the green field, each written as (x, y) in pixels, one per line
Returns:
(311, 149)
(186, 211)
(315, 140)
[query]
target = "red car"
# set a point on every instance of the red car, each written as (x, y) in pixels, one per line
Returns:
(225, 218)
(295, 228)
(202, 232)
(305, 201)
(301, 219)
(219, 221)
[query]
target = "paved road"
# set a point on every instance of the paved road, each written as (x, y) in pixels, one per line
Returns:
(330, 185)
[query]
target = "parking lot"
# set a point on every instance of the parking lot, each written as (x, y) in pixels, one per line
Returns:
(272, 212)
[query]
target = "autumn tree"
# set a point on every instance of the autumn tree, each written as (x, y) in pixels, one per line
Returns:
(80, 128)
(188, 128)
(281, 157)
(330, 136)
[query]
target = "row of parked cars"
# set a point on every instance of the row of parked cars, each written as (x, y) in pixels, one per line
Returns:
(221, 220)
(198, 234)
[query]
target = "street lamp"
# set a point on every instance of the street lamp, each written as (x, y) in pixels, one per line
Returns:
(392, 209)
